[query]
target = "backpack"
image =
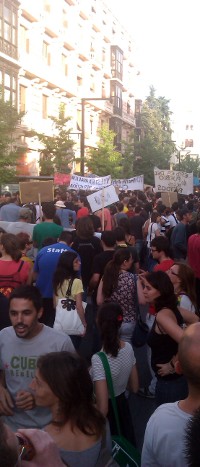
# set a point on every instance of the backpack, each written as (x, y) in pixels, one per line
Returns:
(9, 282)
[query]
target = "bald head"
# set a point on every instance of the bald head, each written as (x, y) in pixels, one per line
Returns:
(189, 354)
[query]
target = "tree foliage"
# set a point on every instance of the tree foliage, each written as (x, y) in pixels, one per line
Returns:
(188, 164)
(153, 143)
(9, 152)
(105, 160)
(57, 150)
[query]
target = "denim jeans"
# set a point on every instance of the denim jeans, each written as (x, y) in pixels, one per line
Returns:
(170, 390)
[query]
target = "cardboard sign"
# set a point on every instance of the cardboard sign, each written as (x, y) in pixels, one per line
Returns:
(134, 183)
(89, 183)
(102, 198)
(62, 179)
(169, 198)
(33, 192)
(171, 180)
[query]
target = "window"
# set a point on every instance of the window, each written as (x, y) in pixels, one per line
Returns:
(8, 29)
(46, 53)
(187, 127)
(92, 83)
(189, 143)
(22, 98)
(64, 65)
(116, 95)
(24, 40)
(8, 81)
(44, 106)
(117, 63)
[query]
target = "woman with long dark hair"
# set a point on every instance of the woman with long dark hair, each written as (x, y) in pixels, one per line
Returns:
(118, 285)
(65, 276)
(165, 336)
(63, 384)
(122, 363)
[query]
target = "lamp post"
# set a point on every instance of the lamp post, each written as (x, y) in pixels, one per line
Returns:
(83, 100)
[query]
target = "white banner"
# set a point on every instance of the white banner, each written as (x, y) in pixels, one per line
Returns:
(171, 180)
(102, 198)
(88, 183)
(134, 183)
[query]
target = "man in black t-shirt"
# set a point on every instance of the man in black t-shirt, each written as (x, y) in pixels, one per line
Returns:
(100, 260)
(136, 224)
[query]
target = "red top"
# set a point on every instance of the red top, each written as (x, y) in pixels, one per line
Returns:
(82, 212)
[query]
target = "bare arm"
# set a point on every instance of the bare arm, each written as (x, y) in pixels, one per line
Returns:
(6, 403)
(94, 281)
(101, 392)
(188, 316)
(141, 298)
(168, 324)
(100, 296)
(133, 382)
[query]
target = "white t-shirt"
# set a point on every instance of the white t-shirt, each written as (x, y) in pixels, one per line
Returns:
(152, 229)
(164, 438)
(120, 368)
(186, 303)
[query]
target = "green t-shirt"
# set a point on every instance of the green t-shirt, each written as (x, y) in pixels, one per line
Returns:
(44, 230)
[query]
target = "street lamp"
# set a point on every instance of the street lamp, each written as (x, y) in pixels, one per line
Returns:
(83, 100)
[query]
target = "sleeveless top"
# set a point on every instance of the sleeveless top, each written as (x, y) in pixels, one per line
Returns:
(163, 347)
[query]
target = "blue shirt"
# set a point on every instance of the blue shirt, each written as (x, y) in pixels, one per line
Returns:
(45, 266)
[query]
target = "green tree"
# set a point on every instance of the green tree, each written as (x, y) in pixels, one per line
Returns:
(128, 157)
(188, 164)
(57, 150)
(105, 160)
(153, 143)
(9, 152)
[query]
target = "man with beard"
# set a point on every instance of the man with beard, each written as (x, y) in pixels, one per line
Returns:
(20, 346)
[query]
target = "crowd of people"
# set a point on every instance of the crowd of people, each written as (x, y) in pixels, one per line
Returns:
(105, 266)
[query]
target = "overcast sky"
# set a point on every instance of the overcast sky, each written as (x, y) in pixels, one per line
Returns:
(167, 39)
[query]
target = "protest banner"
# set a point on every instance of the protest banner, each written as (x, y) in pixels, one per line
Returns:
(102, 198)
(87, 183)
(134, 183)
(169, 198)
(34, 192)
(62, 179)
(171, 180)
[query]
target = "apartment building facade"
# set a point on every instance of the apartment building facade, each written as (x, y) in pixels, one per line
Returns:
(61, 52)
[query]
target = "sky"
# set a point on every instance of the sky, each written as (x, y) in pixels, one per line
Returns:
(166, 34)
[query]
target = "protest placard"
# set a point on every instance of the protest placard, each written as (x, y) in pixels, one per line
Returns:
(171, 180)
(102, 198)
(33, 192)
(134, 183)
(169, 198)
(62, 179)
(86, 183)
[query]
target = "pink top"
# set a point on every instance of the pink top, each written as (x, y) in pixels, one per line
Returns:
(107, 219)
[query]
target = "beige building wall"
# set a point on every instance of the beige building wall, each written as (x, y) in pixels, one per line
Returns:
(64, 55)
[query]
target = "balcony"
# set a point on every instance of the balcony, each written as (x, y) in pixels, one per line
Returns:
(8, 49)
(128, 118)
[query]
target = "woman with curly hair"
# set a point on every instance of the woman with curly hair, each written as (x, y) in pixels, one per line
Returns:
(123, 369)
(62, 383)
(118, 285)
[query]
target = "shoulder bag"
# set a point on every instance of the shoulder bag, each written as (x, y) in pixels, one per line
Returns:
(123, 452)
(67, 318)
(141, 330)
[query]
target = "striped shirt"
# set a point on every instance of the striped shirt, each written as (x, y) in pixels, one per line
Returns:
(120, 367)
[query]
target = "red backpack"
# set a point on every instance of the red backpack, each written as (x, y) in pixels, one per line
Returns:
(9, 282)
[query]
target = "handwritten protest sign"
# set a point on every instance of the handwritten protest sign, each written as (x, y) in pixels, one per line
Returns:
(134, 183)
(169, 198)
(102, 198)
(87, 183)
(32, 192)
(171, 180)
(62, 179)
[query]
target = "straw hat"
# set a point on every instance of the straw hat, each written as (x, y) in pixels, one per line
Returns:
(60, 204)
